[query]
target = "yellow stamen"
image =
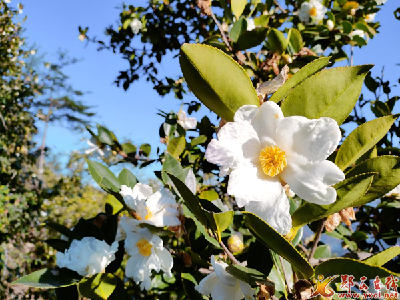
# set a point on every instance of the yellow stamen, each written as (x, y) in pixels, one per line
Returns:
(273, 160)
(144, 247)
(313, 12)
(149, 214)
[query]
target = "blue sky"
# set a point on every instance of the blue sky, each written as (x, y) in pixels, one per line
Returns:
(54, 24)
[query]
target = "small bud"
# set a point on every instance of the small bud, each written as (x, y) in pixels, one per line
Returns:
(235, 242)
(292, 234)
(330, 25)
(353, 11)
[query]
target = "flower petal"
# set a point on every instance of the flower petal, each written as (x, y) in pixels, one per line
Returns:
(245, 113)
(226, 292)
(207, 284)
(307, 141)
(313, 182)
(165, 259)
(247, 291)
(275, 213)
(249, 183)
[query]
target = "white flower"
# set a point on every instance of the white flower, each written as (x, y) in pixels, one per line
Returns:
(313, 9)
(370, 18)
(261, 149)
(159, 208)
(136, 25)
(222, 285)
(95, 149)
(318, 49)
(358, 32)
(380, 2)
(7, 1)
(88, 256)
(394, 193)
(330, 24)
(250, 24)
(185, 121)
(147, 254)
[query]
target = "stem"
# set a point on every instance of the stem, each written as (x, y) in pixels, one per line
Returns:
(230, 255)
(42, 147)
(285, 275)
(280, 7)
(351, 55)
(224, 38)
(3, 121)
(316, 240)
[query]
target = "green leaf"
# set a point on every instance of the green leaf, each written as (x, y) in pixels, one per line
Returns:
(216, 41)
(99, 171)
(209, 195)
(176, 146)
(279, 282)
(127, 178)
(277, 42)
(362, 139)
(337, 266)
(273, 240)
(323, 251)
(383, 257)
(329, 93)
(160, 231)
(386, 179)
(380, 109)
(105, 136)
(60, 228)
(238, 28)
(98, 287)
(145, 150)
(172, 165)
(189, 283)
(67, 293)
(219, 221)
(58, 244)
(250, 39)
(199, 140)
(112, 206)
(49, 278)
(86, 228)
(347, 27)
(238, 7)
(295, 41)
(301, 75)
(248, 275)
(348, 192)
(129, 149)
(207, 70)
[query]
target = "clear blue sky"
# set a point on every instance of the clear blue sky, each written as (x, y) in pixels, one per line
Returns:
(54, 24)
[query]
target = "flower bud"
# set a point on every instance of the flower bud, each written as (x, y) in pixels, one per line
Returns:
(353, 11)
(330, 24)
(235, 242)
(292, 234)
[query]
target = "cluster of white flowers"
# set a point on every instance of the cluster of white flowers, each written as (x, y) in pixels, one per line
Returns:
(262, 151)
(370, 18)
(222, 285)
(185, 121)
(312, 12)
(136, 26)
(87, 256)
(380, 2)
(357, 32)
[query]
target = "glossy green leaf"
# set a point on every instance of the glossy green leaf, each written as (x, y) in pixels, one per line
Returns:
(383, 257)
(279, 281)
(209, 195)
(277, 42)
(348, 192)
(238, 7)
(207, 71)
(198, 140)
(126, 177)
(362, 139)
(386, 179)
(49, 278)
(237, 29)
(99, 171)
(219, 221)
(145, 149)
(189, 283)
(323, 251)
(129, 149)
(58, 244)
(105, 136)
(339, 266)
(98, 287)
(295, 41)
(60, 228)
(347, 27)
(248, 275)
(301, 75)
(273, 240)
(337, 92)
(176, 146)
(250, 39)
(172, 165)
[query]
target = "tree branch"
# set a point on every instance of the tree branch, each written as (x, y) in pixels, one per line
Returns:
(230, 255)
(316, 240)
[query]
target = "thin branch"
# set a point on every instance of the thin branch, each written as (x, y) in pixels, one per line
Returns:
(285, 275)
(43, 146)
(316, 240)
(3, 121)
(280, 7)
(230, 255)
(304, 249)
(224, 38)
(351, 55)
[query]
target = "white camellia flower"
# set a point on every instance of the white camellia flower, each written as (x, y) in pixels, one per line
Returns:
(95, 149)
(380, 2)
(147, 253)
(250, 24)
(136, 25)
(313, 10)
(370, 18)
(159, 208)
(394, 193)
(358, 32)
(185, 121)
(222, 285)
(87, 256)
(330, 24)
(262, 150)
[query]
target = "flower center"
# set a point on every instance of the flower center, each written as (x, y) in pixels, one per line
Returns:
(144, 247)
(148, 216)
(313, 12)
(273, 160)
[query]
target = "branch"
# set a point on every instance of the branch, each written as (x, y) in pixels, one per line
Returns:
(224, 38)
(284, 275)
(3, 121)
(280, 7)
(316, 240)
(230, 255)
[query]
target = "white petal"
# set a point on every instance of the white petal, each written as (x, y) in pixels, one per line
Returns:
(142, 191)
(313, 182)
(237, 144)
(207, 284)
(245, 113)
(275, 213)
(247, 291)
(165, 259)
(223, 276)
(191, 182)
(310, 140)
(226, 292)
(190, 123)
(249, 183)
(265, 122)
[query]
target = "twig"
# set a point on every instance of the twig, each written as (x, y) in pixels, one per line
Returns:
(316, 240)
(304, 249)
(351, 55)
(280, 7)
(3, 121)
(221, 30)
(230, 255)
(284, 275)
